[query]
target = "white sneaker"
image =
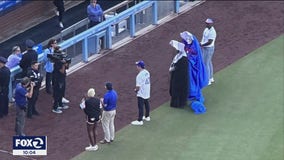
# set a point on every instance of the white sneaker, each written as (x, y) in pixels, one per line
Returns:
(58, 111)
(57, 13)
(211, 80)
(137, 123)
(146, 118)
(209, 83)
(64, 100)
(64, 107)
(61, 25)
(92, 148)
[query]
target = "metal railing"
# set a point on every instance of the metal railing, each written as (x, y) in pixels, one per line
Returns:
(105, 29)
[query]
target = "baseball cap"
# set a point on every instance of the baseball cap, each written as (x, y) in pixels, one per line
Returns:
(209, 20)
(140, 64)
(3, 60)
(108, 85)
(30, 43)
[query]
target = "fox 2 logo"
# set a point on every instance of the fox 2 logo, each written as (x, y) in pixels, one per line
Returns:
(29, 142)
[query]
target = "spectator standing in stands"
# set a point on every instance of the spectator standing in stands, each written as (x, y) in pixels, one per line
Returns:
(109, 111)
(49, 64)
(4, 87)
(30, 56)
(142, 90)
(36, 78)
(60, 11)
(14, 58)
(208, 46)
(95, 13)
(23, 91)
(91, 107)
(13, 61)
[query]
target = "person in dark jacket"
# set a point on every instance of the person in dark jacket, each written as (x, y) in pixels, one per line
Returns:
(59, 83)
(4, 87)
(28, 57)
(59, 4)
(35, 76)
(179, 76)
(91, 107)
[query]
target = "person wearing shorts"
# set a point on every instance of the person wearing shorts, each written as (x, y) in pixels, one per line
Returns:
(93, 116)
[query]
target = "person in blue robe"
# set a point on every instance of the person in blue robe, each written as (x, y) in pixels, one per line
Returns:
(198, 78)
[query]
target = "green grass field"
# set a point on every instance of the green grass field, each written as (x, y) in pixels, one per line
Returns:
(244, 119)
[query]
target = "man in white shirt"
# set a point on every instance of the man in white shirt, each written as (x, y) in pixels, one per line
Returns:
(142, 90)
(208, 45)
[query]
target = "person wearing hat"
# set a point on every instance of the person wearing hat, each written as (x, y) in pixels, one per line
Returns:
(91, 107)
(30, 56)
(36, 77)
(179, 76)
(208, 46)
(109, 103)
(23, 91)
(142, 90)
(4, 87)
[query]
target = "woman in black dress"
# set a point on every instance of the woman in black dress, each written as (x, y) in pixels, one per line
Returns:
(179, 76)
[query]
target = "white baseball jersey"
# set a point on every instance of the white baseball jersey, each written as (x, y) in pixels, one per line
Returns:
(143, 82)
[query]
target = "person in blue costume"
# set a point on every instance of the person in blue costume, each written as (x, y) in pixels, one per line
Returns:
(198, 78)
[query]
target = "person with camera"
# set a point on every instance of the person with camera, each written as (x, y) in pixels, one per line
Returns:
(23, 91)
(35, 76)
(61, 64)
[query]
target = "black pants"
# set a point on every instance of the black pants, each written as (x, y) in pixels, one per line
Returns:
(4, 103)
(32, 102)
(141, 103)
(60, 8)
(58, 93)
(48, 79)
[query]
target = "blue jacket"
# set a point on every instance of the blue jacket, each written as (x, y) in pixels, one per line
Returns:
(95, 14)
(48, 64)
(110, 100)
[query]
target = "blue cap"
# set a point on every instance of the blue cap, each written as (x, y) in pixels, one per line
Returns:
(3, 60)
(140, 64)
(109, 85)
(30, 43)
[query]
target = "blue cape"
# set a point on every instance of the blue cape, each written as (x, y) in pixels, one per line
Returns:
(197, 72)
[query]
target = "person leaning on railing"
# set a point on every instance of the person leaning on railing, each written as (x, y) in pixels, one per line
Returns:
(95, 13)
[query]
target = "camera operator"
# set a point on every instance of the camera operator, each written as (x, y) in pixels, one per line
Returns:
(35, 76)
(61, 64)
(23, 91)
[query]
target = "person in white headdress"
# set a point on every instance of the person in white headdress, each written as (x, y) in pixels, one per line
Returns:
(179, 76)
